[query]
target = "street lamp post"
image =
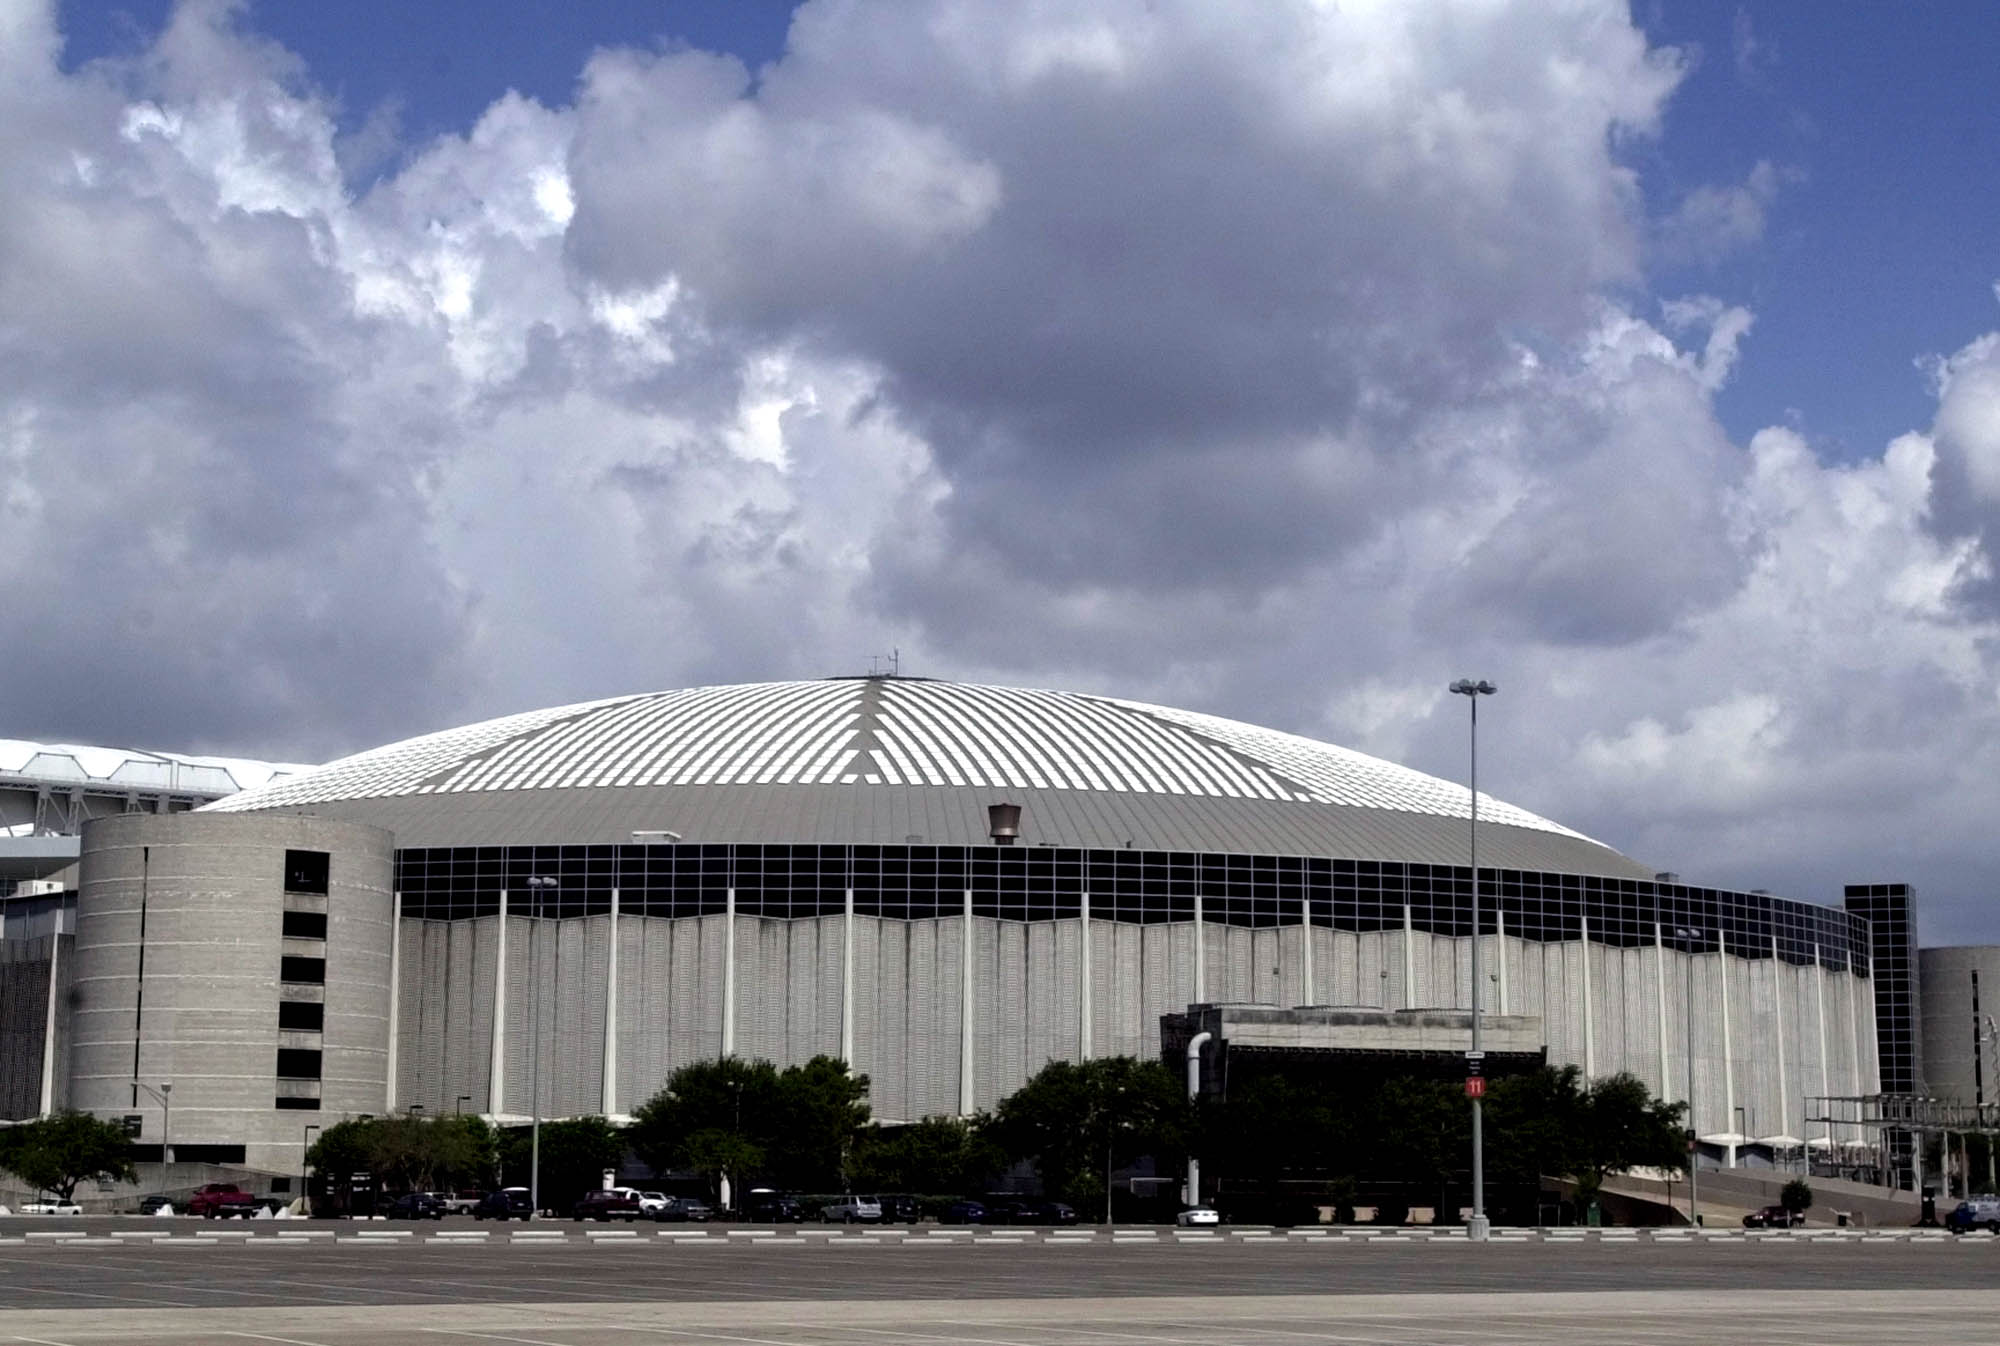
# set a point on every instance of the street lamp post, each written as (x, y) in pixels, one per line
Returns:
(1476, 1228)
(305, 1189)
(543, 885)
(165, 1094)
(1688, 935)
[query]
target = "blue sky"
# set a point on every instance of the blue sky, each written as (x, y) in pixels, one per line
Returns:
(1880, 250)
(1281, 360)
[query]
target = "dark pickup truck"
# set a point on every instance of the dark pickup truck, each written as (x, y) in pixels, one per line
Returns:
(222, 1200)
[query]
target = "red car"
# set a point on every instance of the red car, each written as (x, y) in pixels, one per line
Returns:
(616, 1204)
(222, 1199)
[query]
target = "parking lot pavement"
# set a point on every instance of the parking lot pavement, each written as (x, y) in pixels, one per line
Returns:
(1651, 1318)
(115, 1231)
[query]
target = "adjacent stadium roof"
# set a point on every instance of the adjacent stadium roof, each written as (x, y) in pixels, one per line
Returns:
(909, 760)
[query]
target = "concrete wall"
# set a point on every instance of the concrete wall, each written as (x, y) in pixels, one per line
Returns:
(194, 1001)
(1766, 1032)
(1951, 1034)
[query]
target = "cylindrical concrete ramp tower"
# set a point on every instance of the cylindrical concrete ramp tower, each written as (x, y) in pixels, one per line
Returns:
(232, 981)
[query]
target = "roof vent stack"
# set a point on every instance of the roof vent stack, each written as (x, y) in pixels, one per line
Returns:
(1003, 823)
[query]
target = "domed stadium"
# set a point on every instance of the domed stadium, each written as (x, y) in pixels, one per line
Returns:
(900, 760)
(549, 912)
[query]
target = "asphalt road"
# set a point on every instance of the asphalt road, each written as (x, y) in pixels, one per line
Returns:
(812, 1292)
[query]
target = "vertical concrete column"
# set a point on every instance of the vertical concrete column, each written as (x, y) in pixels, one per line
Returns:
(496, 1070)
(1660, 988)
(1728, 1074)
(1306, 949)
(49, 1024)
(729, 973)
(1410, 955)
(1825, 1070)
(1500, 961)
(395, 998)
(1857, 1085)
(1083, 980)
(608, 1102)
(847, 979)
(966, 1040)
(1778, 1009)
(1589, 1002)
(1200, 951)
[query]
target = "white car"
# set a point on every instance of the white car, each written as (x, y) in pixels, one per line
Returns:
(651, 1204)
(51, 1206)
(1198, 1216)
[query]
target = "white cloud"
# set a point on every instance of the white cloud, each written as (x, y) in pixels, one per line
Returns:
(1286, 361)
(1712, 222)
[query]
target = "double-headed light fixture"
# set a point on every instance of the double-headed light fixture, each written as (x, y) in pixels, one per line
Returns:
(1476, 1228)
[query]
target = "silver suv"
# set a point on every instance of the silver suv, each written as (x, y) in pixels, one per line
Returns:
(852, 1210)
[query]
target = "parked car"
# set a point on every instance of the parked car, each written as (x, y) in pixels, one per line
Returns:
(416, 1206)
(51, 1205)
(1046, 1212)
(682, 1210)
(852, 1210)
(651, 1204)
(220, 1200)
(459, 1203)
(509, 1203)
(1774, 1217)
(899, 1209)
(1975, 1212)
(965, 1212)
(155, 1204)
(764, 1205)
(610, 1204)
(1198, 1217)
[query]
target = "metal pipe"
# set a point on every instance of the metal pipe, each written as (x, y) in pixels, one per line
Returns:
(1192, 1195)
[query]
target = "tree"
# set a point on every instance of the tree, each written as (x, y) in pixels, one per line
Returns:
(936, 1156)
(1548, 1123)
(1622, 1126)
(1424, 1135)
(56, 1153)
(412, 1153)
(575, 1153)
(1075, 1120)
(747, 1119)
(711, 1117)
(1797, 1197)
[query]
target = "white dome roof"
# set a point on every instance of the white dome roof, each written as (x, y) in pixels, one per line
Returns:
(766, 746)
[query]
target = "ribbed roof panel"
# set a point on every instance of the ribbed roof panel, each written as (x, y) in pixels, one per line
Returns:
(899, 735)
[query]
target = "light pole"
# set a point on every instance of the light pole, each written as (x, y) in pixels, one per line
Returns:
(1110, 1140)
(1989, 1038)
(1688, 935)
(165, 1094)
(1475, 1060)
(305, 1190)
(542, 885)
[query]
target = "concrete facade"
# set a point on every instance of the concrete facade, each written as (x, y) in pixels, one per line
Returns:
(182, 962)
(891, 997)
(1961, 1049)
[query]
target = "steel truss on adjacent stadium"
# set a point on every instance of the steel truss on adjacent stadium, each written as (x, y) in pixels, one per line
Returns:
(1894, 1121)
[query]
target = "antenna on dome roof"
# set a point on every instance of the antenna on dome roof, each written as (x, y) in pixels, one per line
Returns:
(895, 669)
